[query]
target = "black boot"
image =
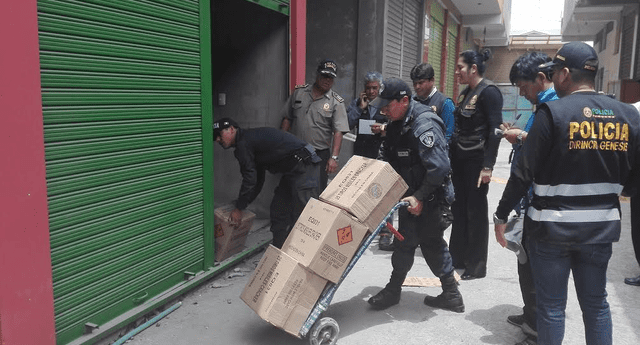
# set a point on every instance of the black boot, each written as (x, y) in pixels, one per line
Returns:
(450, 298)
(384, 299)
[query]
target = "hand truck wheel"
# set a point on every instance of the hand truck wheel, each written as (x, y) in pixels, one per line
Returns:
(324, 332)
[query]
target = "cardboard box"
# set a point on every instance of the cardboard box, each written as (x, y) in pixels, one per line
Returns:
(324, 239)
(282, 291)
(366, 188)
(228, 239)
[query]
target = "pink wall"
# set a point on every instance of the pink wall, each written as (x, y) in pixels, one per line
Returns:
(26, 293)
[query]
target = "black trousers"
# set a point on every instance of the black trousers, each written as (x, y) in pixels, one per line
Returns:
(425, 231)
(367, 145)
(469, 240)
(635, 226)
(290, 197)
(528, 291)
(324, 177)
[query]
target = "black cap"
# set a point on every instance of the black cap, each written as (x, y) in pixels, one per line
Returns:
(328, 67)
(422, 71)
(391, 88)
(221, 124)
(575, 55)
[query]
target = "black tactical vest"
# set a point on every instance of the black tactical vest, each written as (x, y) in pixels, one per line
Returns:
(435, 102)
(403, 145)
(595, 138)
(471, 122)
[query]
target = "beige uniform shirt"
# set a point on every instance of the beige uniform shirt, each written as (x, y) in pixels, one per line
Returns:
(316, 121)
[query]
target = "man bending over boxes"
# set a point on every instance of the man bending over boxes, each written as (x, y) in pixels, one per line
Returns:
(261, 149)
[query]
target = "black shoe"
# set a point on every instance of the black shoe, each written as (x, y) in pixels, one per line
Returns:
(632, 281)
(446, 300)
(469, 276)
(516, 320)
(384, 299)
(386, 242)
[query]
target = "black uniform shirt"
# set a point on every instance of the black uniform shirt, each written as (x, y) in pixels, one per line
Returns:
(424, 163)
(260, 149)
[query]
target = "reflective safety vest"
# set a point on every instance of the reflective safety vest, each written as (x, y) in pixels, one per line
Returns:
(576, 191)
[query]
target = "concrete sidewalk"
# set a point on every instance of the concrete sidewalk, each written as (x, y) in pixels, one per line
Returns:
(214, 313)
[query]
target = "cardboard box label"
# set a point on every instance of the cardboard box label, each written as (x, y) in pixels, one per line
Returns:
(332, 257)
(375, 191)
(218, 231)
(324, 239)
(345, 235)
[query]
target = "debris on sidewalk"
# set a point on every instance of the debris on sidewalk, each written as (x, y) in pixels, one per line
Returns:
(219, 285)
(426, 282)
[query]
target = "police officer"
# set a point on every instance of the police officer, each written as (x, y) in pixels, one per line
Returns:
(316, 114)
(261, 149)
(426, 92)
(416, 148)
(581, 153)
(536, 86)
(474, 150)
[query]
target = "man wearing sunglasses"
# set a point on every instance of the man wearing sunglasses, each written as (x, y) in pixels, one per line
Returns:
(580, 155)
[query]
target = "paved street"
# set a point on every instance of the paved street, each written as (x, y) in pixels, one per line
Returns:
(214, 313)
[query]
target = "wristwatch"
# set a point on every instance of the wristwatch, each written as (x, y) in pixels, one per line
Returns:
(497, 220)
(519, 137)
(335, 158)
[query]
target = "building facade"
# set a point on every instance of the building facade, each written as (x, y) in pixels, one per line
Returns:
(614, 29)
(107, 111)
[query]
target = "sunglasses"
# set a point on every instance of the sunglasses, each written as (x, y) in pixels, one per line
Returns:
(553, 70)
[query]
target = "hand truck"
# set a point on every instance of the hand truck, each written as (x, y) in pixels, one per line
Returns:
(325, 331)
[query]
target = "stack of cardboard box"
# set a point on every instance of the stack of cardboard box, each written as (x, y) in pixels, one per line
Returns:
(287, 283)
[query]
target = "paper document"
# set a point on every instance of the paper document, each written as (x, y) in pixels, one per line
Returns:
(364, 126)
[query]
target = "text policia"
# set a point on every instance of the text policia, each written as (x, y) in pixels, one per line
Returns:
(602, 134)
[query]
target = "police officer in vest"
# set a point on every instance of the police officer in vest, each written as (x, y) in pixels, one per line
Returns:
(416, 148)
(260, 149)
(474, 149)
(582, 152)
(427, 93)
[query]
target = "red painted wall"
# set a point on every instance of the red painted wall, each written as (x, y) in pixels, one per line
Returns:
(26, 293)
(298, 31)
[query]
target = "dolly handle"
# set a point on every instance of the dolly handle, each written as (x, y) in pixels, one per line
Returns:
(395, 232)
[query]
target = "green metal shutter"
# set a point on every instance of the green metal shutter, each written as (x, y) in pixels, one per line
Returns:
(451, 58)
(437, 32)
(121, 93)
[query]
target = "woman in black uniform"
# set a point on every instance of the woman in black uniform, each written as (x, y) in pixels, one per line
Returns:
(473, 154)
